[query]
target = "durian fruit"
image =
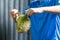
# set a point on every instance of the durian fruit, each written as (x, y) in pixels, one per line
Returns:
(23, 23)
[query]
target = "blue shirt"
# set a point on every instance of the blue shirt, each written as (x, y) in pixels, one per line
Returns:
(43, 25)
(57, 31)
(46, 25)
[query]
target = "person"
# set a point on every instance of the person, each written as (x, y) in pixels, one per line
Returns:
(54, 9)
(43, 24)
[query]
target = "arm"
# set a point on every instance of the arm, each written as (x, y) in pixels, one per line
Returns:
(55, 9)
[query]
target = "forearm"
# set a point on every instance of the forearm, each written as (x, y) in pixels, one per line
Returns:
(55, 9)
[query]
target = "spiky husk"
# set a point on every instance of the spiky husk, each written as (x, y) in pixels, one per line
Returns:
(23, 23)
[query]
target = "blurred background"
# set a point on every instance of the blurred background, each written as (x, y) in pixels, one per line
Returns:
(7, 25)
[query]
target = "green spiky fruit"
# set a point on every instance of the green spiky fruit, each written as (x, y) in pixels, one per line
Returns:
(23, 23)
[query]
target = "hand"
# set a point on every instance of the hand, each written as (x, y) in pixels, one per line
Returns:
(32, 11)
(15, 14)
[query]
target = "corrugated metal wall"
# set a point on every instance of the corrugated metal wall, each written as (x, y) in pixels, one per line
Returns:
(7, 25)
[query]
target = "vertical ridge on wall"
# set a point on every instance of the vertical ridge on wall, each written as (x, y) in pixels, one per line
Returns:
(2, 19)
(7, 25)
(6, 13)
(0, 23)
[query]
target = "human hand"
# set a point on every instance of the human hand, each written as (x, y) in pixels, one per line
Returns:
(32, 11)
(15, 14)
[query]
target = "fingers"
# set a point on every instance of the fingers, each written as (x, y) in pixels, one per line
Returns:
(32, 11)
(29, 12)
(15, 14)
(14, 10)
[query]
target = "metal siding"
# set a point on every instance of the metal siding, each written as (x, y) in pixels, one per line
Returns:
(7, 25)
